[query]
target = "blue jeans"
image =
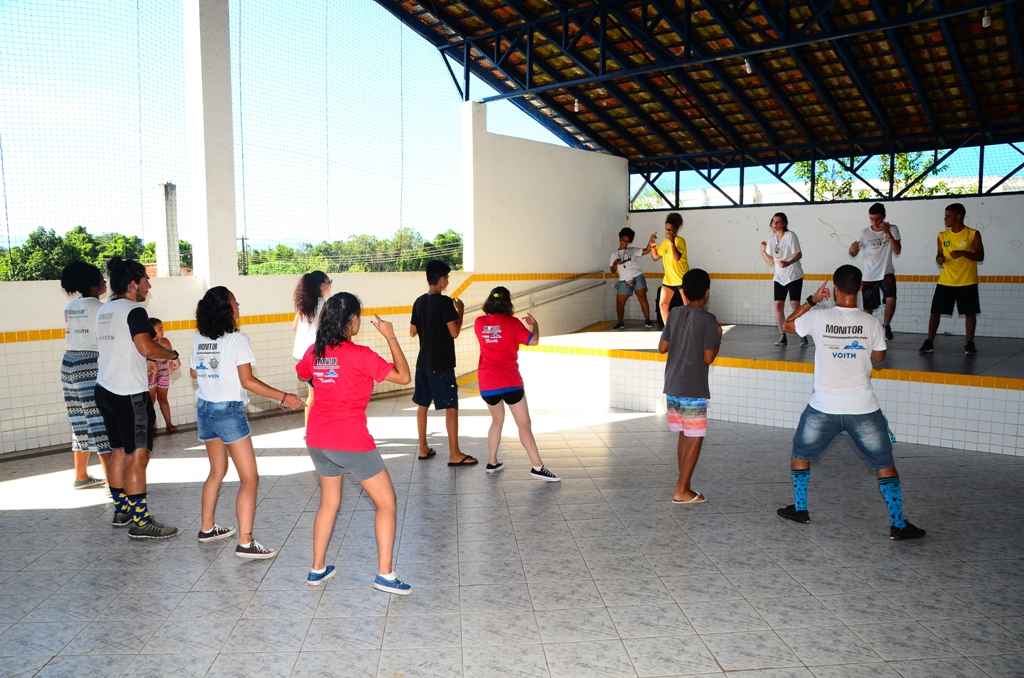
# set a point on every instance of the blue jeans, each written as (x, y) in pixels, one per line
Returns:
(870, 433)
(225, 421)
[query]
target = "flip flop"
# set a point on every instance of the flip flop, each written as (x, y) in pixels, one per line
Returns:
(695, 499)
(430, 453)
(467, 460)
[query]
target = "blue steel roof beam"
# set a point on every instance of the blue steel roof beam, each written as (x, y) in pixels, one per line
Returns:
(650, 87)
(661, 56)
(545, 121)
(613, 88)
(719, 74)
(756, 69)
(958, 65)
(825, 21)
(901, 56)
(579, 124)
(826, 98)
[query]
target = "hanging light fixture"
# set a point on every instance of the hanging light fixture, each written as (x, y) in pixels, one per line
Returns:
(575, 105)
(986, 19)
(748, 67)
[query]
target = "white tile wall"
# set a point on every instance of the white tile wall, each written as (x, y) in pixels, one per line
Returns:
(967, 418)
(749, 302)
(32, 413)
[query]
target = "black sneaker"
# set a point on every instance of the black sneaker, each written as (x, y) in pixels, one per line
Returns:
(888, 333)
(908, 532)
(545, 474)
(494, 468)
(254, 551)
(782, 340)
(790, 513)
(804, 342)
(927, 347)
(215, 534)
(970, 348)
(619, 326)
(121, 519)
(648, 324)
(151, 530)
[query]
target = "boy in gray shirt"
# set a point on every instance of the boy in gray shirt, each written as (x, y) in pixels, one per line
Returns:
(692, 337)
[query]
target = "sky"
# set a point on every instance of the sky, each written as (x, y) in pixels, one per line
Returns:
(350, 121)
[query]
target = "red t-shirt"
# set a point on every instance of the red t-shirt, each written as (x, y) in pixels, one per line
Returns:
(500, 337)
(342, 385)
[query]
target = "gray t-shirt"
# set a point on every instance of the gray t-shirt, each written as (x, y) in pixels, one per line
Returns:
(689, 331)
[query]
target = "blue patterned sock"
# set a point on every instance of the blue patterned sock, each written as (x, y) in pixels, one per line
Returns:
(117, 496)
(892, 492)
(801, 478)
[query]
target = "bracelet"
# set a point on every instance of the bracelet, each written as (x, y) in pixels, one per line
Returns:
(810, 301)
(284, 397)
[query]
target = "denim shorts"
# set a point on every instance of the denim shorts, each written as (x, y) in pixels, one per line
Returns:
(870, 434)
(625, 288)
(224, 421)
(360, 465)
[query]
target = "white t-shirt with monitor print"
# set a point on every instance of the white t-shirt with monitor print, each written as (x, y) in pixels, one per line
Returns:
(216, 364)
(843, 341)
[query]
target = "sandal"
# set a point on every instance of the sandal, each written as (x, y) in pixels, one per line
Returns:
(695, 499)
(467, 460)
(430, 453)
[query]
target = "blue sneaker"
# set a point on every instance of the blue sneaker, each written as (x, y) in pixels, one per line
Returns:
(318, 578)
(395, 586)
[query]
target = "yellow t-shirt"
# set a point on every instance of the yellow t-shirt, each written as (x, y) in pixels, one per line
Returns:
(961, 271)
(674, 269)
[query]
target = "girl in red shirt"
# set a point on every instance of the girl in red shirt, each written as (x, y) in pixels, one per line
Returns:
(500, 334)
(343, 375)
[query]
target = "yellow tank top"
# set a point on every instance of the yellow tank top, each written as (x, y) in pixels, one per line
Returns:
(961, 271)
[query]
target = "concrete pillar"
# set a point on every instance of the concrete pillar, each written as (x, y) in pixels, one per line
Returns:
(168, 258)
(209, 135)
(474, 130)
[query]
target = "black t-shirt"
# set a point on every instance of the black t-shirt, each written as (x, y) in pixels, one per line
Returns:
(431, 314)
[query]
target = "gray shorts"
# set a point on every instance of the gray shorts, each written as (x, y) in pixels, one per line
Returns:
(360, 465)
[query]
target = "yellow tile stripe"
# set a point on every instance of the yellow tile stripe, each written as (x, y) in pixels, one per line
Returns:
(57, 333)
(917, 376)
(1004, 279)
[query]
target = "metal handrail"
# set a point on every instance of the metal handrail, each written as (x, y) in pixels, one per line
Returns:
(531, 292)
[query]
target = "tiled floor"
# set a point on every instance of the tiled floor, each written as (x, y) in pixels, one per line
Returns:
(598, 576)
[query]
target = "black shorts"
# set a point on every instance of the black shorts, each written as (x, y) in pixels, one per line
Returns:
(964, 298)
(509, 397)
(130, 420)
(793, 289)
(870, 290)
(437, 387)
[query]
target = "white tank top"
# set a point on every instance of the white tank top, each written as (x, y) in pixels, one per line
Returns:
(305, 332)
(80, 323)
(122, 369)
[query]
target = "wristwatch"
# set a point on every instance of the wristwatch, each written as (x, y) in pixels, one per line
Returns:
(810, 300)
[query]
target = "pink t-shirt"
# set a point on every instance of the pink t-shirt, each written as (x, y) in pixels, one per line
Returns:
(500, 337)
(342, 385)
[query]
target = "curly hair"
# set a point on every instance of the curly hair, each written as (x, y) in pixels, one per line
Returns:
(499, 302)
(81, 277)
(124, 272)
(307, 293)
(214, 315)
(334, 319)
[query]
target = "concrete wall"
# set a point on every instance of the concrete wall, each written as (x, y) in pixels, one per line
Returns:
(726, 240)
(536, 207)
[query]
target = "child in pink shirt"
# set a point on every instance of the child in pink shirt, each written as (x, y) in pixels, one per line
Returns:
(343, 375)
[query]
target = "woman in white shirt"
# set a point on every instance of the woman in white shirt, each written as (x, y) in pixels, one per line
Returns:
(782, 252)
(221, 364)
(78, 369)
(310, 294)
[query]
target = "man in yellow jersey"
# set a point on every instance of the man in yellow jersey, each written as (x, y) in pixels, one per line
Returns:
(672, 253)
(959, 251)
